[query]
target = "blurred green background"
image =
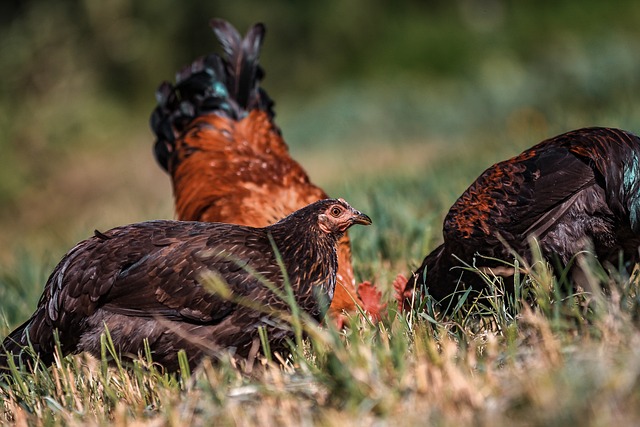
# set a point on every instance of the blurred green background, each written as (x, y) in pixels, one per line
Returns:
(395, 105)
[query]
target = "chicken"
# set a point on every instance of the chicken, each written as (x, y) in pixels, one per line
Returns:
(143, 281)
(228, 162)
(575, 192)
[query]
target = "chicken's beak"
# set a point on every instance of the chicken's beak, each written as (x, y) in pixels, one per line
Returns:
(360, 218)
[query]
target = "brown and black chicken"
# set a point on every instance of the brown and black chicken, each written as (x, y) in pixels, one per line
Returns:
(217, 139)
(143, 282)
(575, 192)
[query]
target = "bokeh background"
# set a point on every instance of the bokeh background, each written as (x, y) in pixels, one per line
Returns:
(397, 106)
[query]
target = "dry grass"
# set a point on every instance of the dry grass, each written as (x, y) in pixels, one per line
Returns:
(564, 361)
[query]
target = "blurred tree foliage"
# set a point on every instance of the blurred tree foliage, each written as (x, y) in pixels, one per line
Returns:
(84, 71)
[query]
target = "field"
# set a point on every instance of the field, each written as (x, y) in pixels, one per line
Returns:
(400, 140)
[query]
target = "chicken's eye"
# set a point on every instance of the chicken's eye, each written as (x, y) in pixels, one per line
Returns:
(336, 211)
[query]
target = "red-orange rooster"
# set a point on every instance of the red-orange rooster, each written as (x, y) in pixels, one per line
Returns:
(226, 157)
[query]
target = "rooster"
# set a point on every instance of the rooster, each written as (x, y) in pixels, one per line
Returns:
(216, 137)
(143, 282)
(579, 191)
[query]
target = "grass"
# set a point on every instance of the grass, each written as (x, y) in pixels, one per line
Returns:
(565, 360)
(558, 363)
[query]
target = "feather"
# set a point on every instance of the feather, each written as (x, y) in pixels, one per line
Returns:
(242, 58)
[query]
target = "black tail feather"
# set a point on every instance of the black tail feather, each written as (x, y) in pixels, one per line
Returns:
(429, 276)
(229, 86)
(16, 344)
(242, 59)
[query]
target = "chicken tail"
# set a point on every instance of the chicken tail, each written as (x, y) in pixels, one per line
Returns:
(427, 278)
(227, 85)
(13, 346)
(18, 345)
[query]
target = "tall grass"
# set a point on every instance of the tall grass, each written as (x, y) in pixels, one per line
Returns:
(565, 359)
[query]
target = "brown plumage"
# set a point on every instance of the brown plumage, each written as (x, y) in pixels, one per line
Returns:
(574, 192)
(143, 281)
(227, 159)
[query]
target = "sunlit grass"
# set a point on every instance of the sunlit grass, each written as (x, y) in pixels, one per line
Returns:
(563, 358)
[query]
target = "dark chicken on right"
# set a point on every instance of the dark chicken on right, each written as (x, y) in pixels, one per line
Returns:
(579, 191)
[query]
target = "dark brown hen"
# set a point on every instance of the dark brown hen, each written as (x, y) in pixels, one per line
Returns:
(577, 191)
(217, 138)
(143, 281)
